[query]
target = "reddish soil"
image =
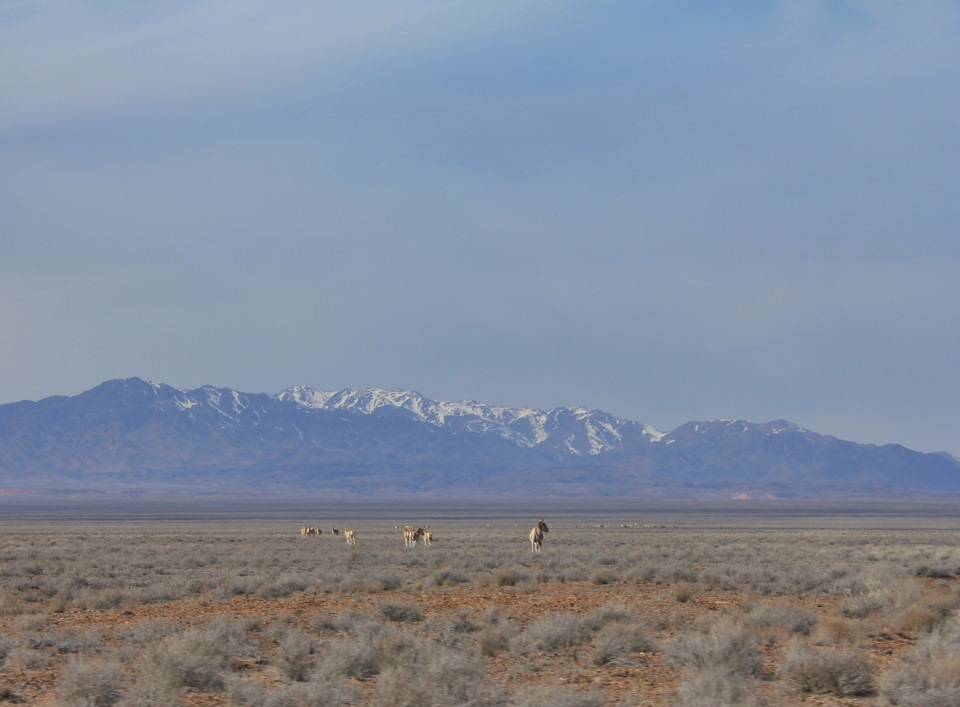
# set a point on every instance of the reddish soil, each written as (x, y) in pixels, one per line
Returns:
(645, 678)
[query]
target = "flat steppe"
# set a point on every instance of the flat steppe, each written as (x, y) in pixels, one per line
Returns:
(183, 602)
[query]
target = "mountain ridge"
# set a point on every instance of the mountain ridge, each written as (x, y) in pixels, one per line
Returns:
(133, 435)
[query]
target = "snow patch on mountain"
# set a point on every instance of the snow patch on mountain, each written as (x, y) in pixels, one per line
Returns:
(185, 403)
(727, 429)
(576, 431)
(597, 431)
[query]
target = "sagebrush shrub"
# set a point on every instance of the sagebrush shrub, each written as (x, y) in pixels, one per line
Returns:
(915, 620)
(684, 591)
(727, 645)
(938, 572)
(463, 624)
(194, 659)
(714, 686)
(863, 605)
(605, 576)
(616, 641)
(448, 578)
(373, 647)
(835, 630)
(927, 613)
(393, 611)
(321, 688)
(435, 675)
(508, 577)
(556, 696)
(283, 586)
(841, 673)
(236, 586)
(91, 683)
(295, 654)
(551, 633)
(496, 634)
(785, 616)
(606, 614)
(929, 675)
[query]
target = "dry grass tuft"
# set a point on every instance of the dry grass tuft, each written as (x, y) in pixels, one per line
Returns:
(836, 630)
(684, 591)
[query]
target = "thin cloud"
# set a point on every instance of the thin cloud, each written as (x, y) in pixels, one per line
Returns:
(65, 61)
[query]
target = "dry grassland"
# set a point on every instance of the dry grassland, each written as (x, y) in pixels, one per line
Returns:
(752, 610)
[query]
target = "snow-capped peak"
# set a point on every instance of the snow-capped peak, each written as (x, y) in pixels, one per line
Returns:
(591, 432)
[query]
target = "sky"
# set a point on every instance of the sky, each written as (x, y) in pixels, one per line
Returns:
(665, 209)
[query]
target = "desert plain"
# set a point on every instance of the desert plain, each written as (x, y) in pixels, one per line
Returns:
(187, 602)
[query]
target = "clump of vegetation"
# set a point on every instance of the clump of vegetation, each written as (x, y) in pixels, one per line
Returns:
(552, 633)
(929, 676)
(195, 659)
(295, 651)
(508, 577)
(715, 685)
(555, 696)
(728, 644)
(616, 642)
(393, 611)
(496, 634)
(840, 673)
(684, 591)
(436, 674)
(785, 617)
(92, 682)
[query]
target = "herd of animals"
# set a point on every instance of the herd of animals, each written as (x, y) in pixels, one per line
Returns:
(309, 530)
(412, 537)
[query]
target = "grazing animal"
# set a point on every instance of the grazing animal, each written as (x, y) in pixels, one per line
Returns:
(409, 536)
(536, 536)
(418, 535)
(351, 538)
(336, 531)
(426, 536)
(304, 530)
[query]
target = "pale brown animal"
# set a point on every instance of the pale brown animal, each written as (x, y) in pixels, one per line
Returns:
(536, 536)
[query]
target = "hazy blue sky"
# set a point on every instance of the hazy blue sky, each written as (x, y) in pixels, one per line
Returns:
(668, 210)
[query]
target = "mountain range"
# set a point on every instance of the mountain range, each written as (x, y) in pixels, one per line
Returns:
(134, 436)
